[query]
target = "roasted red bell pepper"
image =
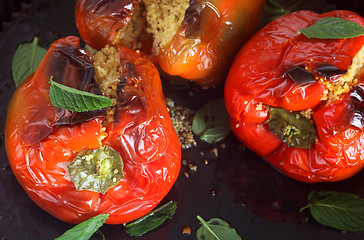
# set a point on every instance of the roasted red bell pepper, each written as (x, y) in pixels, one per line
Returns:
(287, 103)
(203, 47)
(42, 141)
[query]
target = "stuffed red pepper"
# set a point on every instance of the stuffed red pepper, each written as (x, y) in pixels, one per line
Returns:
(298, 101)
(120, 160)
(195, 40)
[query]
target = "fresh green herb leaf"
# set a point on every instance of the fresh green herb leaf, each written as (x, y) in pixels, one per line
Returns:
(274, 8)
(26, 60)
(211, 122)
(343, 211)
(152, 220)
(75, 100)
(86, 229)
(216, 229)
(333, 28)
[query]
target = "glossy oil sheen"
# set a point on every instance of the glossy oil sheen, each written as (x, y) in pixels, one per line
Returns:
(237, 186)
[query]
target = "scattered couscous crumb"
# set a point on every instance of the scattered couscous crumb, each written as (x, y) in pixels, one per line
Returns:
(307, 113)
(259, 106)
(216, 152)
(187, 230)
(182, 119)
(192, 167)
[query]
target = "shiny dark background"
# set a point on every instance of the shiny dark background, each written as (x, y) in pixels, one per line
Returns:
(234, 184)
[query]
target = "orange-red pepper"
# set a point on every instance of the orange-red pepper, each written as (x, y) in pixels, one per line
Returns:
(203, 47)
(280, 69)
(42, 140)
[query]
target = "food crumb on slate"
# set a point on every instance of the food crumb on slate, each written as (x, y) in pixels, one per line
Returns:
(187, 230)
(182, 119)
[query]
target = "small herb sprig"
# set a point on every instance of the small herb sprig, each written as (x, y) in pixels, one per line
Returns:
(333, 28)
(216, 229)
(274, 8)
(152, 220)
(86, 229)
(343, 211)
(26, 60)
(211, 122)
(72, 99)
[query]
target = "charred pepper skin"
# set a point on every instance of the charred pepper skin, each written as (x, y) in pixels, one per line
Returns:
(265, 74)
(42, 140)
(202, 49)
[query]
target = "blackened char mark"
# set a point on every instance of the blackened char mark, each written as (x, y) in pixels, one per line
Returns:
(300, 76)
(131, 98)
(329, 71)
(73, 68)
(66, 117)
(116, 9)
(356, 108)
(192, 21)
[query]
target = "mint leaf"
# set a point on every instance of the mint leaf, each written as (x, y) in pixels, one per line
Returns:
(86, 229)
(274, 8)
(343, 211)
(152, 220)
(26, 60)
(211, 122)
(216, 229)
(333, 28)
(75, 100)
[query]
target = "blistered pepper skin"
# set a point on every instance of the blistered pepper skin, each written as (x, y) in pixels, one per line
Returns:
(202, 49)
(258, 80)
(40, 147)
(99, 21)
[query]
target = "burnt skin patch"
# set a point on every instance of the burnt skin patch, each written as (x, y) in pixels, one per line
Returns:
(72, 68)
(300, 76)
(328, 71)
(357, 107)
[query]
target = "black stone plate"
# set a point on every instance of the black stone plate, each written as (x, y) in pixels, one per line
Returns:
(236, 185)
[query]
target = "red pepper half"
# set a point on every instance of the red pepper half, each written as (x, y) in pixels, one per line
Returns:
(42, 140)
(201, 50)
(282, 103)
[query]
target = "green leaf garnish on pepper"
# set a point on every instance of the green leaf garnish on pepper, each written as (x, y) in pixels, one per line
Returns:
(75, 100)
(333, 28)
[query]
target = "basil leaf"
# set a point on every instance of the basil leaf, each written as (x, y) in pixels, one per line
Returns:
(211, 122)
(86, 229)
(152, 220)
(343, 211)
(75, 100)
(216, 229)
(26, 60)
(333, 28)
